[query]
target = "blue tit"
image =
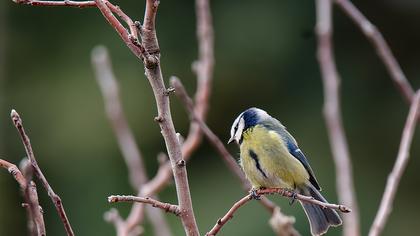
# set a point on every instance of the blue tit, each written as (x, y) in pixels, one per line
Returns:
(271, 158)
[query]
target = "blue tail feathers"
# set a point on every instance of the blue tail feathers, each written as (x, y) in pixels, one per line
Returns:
(320, 219)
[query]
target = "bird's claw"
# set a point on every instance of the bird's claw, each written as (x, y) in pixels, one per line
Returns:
(254, 195)
(293, 198)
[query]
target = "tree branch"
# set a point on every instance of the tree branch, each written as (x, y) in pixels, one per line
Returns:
(113, 106)
(282, 192)
(401, 162)
(174, 209)
(204, 70)
(35, 218)
(382, 49)
(17, 121)
(78, 4)
(131, 153)
(332, 114)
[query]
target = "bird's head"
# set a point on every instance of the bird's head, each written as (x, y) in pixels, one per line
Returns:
(247, 119)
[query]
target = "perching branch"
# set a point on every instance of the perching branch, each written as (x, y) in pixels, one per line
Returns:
(174, 209)
(282, 192)
(332, 113)
(17, 121)
(401, 162)
(381, 46)
(131, 153)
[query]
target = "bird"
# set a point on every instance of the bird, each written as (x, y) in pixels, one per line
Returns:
(271, 158)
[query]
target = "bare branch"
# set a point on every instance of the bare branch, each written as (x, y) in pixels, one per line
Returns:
(78, 4)
(154, 75)
(283, 224)
(229, 215)
(131, 153)
(15, 172)
(332, 114)
(394, 177)
(282, 192)
(129, 38)
(381, 46)
(204, 70)
(174, 209)
(110, 91)
(17, 121)
(214, 140)
(35, 217)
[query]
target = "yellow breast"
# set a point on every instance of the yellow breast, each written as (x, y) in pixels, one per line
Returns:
(267, 162)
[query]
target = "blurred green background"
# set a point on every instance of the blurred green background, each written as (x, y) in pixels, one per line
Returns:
(265, 57)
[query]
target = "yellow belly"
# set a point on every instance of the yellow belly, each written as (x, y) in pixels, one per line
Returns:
(267, 162)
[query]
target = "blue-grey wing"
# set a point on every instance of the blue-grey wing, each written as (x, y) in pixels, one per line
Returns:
(293, 149)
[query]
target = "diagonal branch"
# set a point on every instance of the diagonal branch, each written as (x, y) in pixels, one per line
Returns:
(282, 192)
(401, 162)
(381, 46)
(17, 121)
(332, 114)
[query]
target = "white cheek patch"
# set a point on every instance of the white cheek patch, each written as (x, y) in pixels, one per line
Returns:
(241, 127)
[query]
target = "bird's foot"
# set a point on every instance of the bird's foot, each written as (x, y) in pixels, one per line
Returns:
(293, 197)
(254, 193)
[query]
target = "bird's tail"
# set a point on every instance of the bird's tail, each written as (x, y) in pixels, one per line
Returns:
(320, 219)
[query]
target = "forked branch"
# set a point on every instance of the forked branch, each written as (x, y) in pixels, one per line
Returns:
(35, 218)
(17, 121)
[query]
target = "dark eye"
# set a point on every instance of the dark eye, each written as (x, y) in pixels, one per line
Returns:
(235, 129)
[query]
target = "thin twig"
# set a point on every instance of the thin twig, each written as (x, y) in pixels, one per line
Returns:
(131, 153)
(15, 172)
(204, 71)
(113, 106)
(105, 7)
(174, 209)
(17, 121)
(401, 162)
(383, 50)
(332, 114)
(35, 217)
(214, 140)
(282, 192)
(78, 4)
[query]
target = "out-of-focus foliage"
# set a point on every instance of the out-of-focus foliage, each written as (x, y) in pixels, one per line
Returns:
(265, 57)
